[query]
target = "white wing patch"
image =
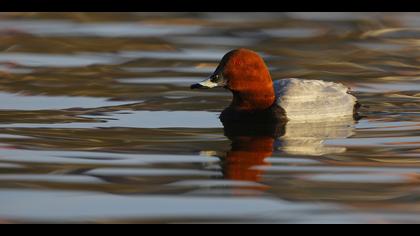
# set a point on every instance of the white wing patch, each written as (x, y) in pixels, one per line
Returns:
(307, 100)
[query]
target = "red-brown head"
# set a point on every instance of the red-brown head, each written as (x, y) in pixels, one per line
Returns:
(243, 72)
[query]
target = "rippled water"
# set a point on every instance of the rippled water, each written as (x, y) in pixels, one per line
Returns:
(98, 124)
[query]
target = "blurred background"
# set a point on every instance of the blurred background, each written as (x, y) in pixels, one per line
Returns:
(98, 124)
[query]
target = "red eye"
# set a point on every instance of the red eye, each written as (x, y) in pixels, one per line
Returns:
(215, 79)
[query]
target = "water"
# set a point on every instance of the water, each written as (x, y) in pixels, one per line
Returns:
(98, 123)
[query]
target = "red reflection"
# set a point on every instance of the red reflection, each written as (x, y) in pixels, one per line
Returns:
(246, 153)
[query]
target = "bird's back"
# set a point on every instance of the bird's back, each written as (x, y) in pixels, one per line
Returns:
(307, 100)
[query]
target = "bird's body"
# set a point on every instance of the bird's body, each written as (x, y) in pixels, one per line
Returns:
(257, 99)
(308, 100)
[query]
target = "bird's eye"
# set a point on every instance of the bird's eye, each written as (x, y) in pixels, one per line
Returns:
(215, 78)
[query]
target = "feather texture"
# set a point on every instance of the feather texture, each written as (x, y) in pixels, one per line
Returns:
(307, 100)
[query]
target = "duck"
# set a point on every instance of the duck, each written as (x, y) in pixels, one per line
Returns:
(259, 99)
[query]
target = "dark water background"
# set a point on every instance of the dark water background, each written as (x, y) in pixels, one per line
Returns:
(98, 124)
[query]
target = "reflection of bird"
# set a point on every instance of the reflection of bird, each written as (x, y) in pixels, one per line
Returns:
(308, 138)
(246, 153)
(252, 144)
(256, 98)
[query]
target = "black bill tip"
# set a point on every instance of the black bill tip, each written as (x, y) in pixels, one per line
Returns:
(197, 86)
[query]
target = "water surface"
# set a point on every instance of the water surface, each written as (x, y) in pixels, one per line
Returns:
(98, 124)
